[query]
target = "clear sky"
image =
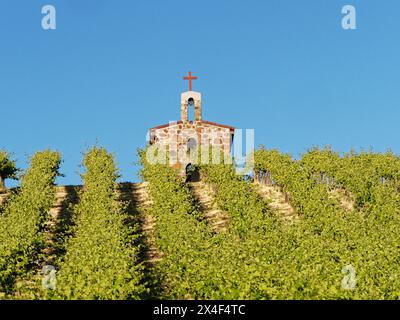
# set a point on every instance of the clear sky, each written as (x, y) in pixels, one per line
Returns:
(113, 69)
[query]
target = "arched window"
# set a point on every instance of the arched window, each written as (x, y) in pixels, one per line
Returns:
(191, 144)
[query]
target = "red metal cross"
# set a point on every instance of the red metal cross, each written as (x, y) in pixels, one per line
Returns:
(190, 79)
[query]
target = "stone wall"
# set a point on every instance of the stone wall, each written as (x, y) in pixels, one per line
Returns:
(200, 134)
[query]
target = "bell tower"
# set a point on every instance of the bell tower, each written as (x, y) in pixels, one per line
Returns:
(190, 99)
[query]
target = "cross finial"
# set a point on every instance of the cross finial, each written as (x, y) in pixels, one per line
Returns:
(190, 78)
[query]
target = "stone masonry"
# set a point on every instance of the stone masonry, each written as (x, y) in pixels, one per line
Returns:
(183, 137)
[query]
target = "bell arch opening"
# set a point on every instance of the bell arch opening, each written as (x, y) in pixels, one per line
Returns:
(190, 110)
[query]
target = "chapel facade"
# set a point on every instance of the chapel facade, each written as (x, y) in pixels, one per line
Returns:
(186, 136)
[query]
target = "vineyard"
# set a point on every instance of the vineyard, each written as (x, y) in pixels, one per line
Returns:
(325, 226)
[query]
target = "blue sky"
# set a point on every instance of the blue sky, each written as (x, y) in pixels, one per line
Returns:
(113, 69)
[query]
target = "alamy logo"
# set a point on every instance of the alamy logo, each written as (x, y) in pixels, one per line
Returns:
(349, 20)
(49, 20)
(49, 280)
(206, 147)
(349, 281)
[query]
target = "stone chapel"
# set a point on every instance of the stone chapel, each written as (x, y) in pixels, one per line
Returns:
(186, 135)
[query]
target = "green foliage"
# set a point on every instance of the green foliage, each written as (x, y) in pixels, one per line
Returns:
(8, 168)
(101, 260)
(258, 256)
(181, 238)
(359, 173)
(247, 211)
(309, 198)
(21, 224)
(198, 264)
(327, 239)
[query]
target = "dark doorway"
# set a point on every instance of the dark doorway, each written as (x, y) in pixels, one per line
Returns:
(192, 173)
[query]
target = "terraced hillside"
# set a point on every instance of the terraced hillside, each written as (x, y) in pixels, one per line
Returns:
(203, 193)
(287, 235)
